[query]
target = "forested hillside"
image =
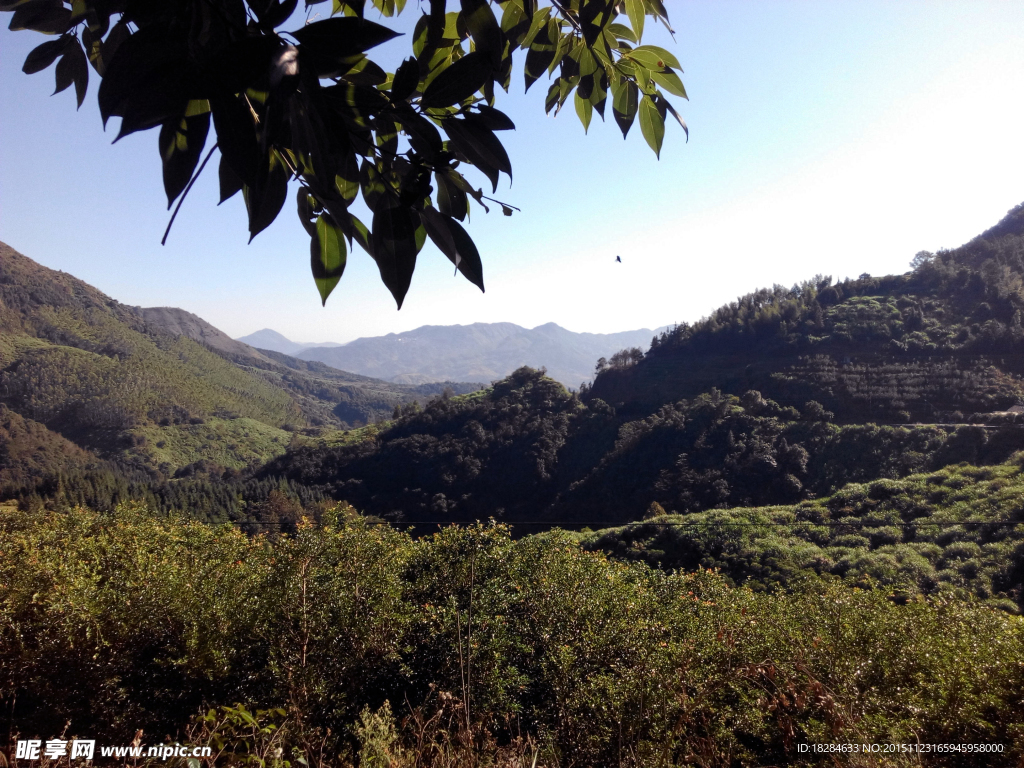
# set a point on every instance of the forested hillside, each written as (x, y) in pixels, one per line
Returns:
(935, 345)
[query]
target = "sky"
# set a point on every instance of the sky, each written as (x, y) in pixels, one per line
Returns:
(830, 138)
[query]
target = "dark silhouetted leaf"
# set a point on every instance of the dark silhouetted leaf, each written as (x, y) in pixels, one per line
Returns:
(236, 135)
(451, 200)
(230, 183)
(423, 134)
(459, 81)
(625, 96)
(469, 263)
(274, 13)
(398, 236)
(44, 55)
(47, 16)
(240, 65)
(145, 81)
(480, 146)
(333, 40)
(665, 106)
(306, 208)
(484, 29)
(265, 199)
(489, 117)
(436, 224)
(79, 70)
(407, 77)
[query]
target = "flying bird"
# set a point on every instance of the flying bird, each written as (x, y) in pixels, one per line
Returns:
(618, 259)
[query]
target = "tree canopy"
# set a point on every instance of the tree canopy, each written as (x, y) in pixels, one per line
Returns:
(308, 104)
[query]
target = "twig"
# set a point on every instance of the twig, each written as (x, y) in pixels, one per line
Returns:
(185, 194)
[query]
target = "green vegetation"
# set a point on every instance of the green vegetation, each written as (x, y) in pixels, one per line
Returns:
(467, 646)
(958, 531)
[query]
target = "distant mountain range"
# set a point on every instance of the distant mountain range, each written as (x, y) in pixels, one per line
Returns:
(477, 352)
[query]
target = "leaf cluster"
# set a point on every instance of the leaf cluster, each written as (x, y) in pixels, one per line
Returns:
(308, 104)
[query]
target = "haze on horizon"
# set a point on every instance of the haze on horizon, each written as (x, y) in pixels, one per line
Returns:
(825, 138)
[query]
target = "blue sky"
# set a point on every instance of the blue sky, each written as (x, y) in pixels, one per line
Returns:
(825, 137)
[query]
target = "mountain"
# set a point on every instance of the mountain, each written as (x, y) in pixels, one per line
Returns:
(272, 340)
(156, 389)
(477, 352)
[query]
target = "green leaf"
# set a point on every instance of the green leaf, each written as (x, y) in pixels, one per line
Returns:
(328, 255)
(622, 32)
(584, 110)
(653, 57)
(652, 124)
(635, 11)
(670, 82)
(458, 82)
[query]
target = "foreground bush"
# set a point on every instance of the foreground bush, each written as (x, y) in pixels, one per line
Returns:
(360, 644)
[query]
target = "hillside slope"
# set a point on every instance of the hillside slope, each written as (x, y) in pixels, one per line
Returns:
(161, 388)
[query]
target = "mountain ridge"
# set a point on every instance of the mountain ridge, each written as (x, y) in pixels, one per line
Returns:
(471, 352)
